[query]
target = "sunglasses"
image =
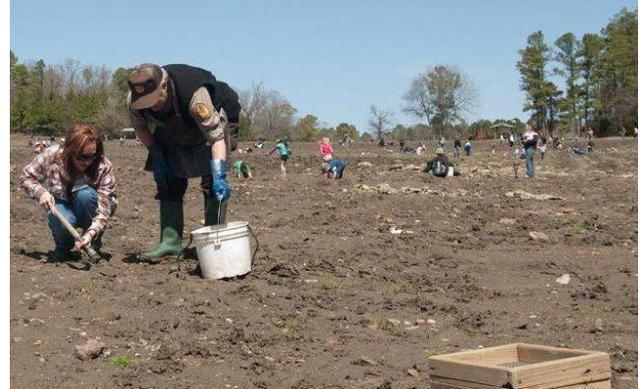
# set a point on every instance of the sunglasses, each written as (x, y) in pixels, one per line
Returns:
(85, 158)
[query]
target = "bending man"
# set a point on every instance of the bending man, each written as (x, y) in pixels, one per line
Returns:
(188, 121)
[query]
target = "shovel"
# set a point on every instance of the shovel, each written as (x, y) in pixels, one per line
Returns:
(88, 251)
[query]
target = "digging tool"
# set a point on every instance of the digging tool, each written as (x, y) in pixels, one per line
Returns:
(88, 251)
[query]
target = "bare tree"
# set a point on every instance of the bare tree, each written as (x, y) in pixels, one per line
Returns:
(442, 95)
(253, 101)
(380, 118)
(419, 101)
(276, 115)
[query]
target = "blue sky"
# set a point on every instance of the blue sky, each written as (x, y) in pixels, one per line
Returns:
(329, 58)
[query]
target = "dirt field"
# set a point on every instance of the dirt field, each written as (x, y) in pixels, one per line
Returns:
(336, 299)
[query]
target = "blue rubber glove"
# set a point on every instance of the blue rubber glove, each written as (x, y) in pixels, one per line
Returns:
(160, 166)
(220, 186)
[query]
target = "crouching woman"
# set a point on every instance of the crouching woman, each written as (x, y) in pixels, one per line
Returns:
(77, 179)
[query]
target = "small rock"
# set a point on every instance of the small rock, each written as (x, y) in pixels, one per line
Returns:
(431, 321)
(36, 321)
(396, 167)
(385, 188)
(411, 328)
(538, 236)
(395, 231)
(598, 325)
(564, 279)
(91, 349)
(414, 372)
(507, 221)
(228, 320)
(395, 322)
(362, 361)
(365, 164)
(420, 322)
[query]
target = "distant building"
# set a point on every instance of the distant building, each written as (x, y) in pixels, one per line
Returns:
(128, 133)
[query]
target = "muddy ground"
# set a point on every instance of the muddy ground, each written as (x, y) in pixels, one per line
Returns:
(336, 299)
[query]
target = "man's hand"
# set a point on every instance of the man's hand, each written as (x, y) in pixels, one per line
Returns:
(46, 200)
(84, 240)
(220, 186)
(160, 166)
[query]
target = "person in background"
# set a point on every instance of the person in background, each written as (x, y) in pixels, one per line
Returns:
(242, 169)
(78, 180)
(439, 166)
(260, 143)
(442, 143)
(326, 151)
(468, 147)
(542, 146)
(346, 142)
(457, 145)
(334, 168)
(530, 142)
(283, 152)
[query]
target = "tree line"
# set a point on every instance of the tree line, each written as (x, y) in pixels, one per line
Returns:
(45, 99)
(598, 74)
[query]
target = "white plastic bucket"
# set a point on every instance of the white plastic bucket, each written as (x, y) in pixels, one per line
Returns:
(223, 250)
(450, 171)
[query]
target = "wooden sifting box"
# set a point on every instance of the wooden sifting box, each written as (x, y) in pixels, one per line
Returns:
(521, 365)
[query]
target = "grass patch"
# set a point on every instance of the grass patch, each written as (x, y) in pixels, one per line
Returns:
(289, 322)
(330, 283)
(432, 352)
(120, 361)
(401, 286)
(384, 325)
(579, 228)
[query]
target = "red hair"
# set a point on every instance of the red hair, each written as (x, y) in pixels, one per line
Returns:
(76, 138)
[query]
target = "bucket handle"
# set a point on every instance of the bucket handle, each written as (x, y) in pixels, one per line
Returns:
(253, 257)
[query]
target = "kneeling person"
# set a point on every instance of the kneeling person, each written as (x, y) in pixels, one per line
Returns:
(242, 169)
(334, 168)
(77, 179)
(440, 165)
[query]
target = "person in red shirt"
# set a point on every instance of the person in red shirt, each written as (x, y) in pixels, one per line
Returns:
(326, 150)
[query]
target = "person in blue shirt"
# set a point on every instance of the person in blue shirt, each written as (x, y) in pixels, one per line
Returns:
(468, 147)
(334, 168)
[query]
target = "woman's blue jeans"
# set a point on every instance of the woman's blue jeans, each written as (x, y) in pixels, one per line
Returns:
(79, 211)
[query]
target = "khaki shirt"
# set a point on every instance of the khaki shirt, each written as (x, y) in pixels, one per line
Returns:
(211, 122)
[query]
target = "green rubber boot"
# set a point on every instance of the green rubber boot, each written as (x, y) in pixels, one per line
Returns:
(171, 226)
(211, 207)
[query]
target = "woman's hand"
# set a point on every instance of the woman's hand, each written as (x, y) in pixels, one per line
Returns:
(84, 240)
(46, 200)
